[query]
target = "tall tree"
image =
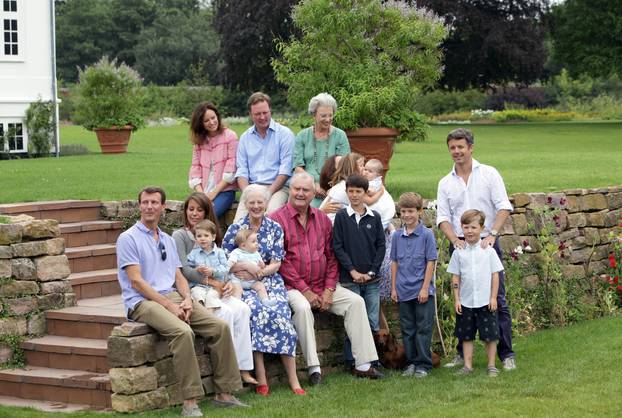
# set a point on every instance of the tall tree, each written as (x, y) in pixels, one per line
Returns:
(248, 30)
(176, 43)
(130, 18)
(492, 41)
(587, 37)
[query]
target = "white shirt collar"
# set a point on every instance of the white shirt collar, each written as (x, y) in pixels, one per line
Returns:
(474, 164)
(351, 211)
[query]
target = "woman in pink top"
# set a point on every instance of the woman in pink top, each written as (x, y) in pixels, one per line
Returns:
(213, 157)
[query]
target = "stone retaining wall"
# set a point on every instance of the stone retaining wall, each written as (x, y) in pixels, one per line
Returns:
(33, 273)
(142, 375)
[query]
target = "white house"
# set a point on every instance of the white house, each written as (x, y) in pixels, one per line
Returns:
(27, 65)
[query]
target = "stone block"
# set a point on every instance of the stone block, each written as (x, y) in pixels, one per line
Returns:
(22, 306)
(576, 220)
(15, 288)
(538, 201)
(10, 233)
(173, 218)
(592, 202)
(598, 267)
(324, 339)
(568, 234)
(577, 242)
(131, 329)
(596, 218)
(52, 246)
(507, 228)
(69, 299)
(175, 205)
(41, 228)
(52, 267)
(36, 324)
(614, 201)
(509, 242)
(166, 371)
(199, 345)
(110, 209)
(531, 282)
(5, 353)
(51, 301)
(134, 351)
(175, 396)
(23, 269)
(574, 192)
(60, 286)
(205, 365)
(556, 200)
(560, 220)
(521, 199)
(572, 203)
(613, 218)
(6, 251)
(573, 270)
(614, 189)
(606, 234)
(591, 236)
(129, 381)
(596, 253)
(17, 326)
(520, 224)
(146, 401)
(6, 270)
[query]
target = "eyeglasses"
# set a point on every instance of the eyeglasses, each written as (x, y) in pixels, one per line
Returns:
(162, 250)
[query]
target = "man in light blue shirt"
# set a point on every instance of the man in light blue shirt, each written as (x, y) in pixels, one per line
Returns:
(264, 154)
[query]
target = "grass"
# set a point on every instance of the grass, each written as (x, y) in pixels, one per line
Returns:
(573, 372)
(531, 157)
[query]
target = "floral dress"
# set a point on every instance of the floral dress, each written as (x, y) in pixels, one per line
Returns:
(272, 330)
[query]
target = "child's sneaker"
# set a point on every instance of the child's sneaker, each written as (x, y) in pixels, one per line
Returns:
(492, 371)
(455, 362)
(464, 371)
(409, 371)
(420, 373)
(269, 302)
(509, 363)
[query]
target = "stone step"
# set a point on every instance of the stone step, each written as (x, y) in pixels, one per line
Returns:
(91, 257)
(94, 284)
(91, 318)
(67, 353)
(57, 385)
(62, 210)
(79, 234)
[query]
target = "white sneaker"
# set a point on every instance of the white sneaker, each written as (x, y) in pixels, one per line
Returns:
(420, 374)
(509, 363)
(455, 362)
(409, 371)
(193, 411)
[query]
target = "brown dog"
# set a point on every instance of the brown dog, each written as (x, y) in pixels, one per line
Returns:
(392, 354)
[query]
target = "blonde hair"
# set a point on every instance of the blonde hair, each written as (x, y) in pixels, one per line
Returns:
(242, 235)
(347, 165)
(375, 165)
(472, 215)
(410, 200)
(206, 225)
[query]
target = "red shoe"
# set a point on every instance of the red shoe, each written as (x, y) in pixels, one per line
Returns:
(299, 391)
(262, 390)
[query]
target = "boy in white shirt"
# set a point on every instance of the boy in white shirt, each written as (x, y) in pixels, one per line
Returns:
(475, 284)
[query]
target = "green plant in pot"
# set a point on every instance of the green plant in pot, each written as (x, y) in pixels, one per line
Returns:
(373, 57)
(110, 102)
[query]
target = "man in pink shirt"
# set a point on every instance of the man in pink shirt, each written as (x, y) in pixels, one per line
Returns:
(310, 272)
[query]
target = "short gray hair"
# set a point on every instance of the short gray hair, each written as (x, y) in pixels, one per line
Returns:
(322, 99)
(303, 175)
(255, 188)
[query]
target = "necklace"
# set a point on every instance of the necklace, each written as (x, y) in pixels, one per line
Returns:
(315, 152)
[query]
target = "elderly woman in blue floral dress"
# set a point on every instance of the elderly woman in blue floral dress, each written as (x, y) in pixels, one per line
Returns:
(272, 330)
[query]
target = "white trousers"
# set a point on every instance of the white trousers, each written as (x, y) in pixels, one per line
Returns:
(277, 200)
(345, 303)
(237, 315)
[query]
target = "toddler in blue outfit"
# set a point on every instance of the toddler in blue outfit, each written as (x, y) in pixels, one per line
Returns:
(247, 250)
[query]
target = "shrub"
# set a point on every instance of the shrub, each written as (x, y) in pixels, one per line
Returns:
(373, 57)
(525, 97)
(109, 95)
(440, 102)
(67, 106)
(41, 126)
(535, 115)
(73, 149)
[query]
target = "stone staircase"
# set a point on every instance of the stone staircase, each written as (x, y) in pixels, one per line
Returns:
(69, 364)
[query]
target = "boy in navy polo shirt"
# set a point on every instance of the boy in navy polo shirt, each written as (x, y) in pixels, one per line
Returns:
(413, 257)
(359, 245)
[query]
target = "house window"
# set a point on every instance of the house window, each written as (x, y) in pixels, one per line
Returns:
(10, 37)
(9, 5)
(11, 30)
(16, 137)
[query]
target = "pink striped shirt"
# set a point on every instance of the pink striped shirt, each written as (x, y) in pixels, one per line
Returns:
(309, 262)
(217, 154)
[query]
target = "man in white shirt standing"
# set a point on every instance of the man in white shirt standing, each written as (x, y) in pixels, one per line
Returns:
(472, 185)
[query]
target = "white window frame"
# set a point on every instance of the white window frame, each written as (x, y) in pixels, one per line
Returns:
(5, 128)
(21, 33)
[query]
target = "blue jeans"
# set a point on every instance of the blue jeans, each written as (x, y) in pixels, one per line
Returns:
(371, 295)
(223, 201)
(416, 321)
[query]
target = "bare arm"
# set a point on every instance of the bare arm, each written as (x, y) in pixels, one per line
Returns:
(277, 184)
(427, 278)
(140, 284)
(493, 292)
(500, 219)
(393, 277)
(448, 231)
(242, 183)
(371, 199)
(455, 284)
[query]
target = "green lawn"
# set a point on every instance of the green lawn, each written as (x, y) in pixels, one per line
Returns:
(570, 372)
(531, 157)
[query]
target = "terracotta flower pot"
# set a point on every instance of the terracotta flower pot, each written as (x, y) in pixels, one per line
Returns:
(113, 140)
(375, 143)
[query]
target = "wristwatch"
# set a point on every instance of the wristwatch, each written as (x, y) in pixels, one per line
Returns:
(494, 233)
(371, 274)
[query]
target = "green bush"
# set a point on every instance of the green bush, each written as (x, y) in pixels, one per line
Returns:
(73, 149)
(535, 115)
(109, 95)
(439, 102)
(373, 57)
(41, 126)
